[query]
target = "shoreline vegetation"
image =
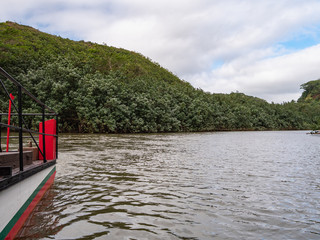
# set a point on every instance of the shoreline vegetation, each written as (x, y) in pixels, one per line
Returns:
(102, 89)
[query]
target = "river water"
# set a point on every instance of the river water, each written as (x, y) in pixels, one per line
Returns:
(226, 185)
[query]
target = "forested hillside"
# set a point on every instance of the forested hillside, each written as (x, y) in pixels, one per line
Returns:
(311, 91)
(97, 88)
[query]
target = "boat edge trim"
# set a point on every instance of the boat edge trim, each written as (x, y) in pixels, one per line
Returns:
(14, 225)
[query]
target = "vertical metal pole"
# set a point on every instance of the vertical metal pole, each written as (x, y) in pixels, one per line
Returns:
(43, 136)
(20, 128)
(57, 136)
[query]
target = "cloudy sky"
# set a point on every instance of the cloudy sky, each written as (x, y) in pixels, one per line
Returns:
(263, 48)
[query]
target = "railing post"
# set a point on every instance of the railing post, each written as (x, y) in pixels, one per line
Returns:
(43, 135)
(20, 128)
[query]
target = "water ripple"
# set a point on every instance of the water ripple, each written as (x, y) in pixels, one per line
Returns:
(237, 185)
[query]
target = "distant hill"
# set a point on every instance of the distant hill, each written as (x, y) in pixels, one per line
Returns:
(22, 47)
(311, 91)
(97, 88)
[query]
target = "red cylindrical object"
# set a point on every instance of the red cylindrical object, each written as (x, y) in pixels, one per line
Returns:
(50, 128)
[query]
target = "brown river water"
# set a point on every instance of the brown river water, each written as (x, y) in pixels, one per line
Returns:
(228, 185)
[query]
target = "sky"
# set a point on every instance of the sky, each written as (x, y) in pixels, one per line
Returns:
(263, 48)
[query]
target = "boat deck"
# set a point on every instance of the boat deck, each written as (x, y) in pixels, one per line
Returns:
(10, 172)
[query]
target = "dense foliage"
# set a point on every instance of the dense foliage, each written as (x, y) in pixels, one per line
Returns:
(97, 88)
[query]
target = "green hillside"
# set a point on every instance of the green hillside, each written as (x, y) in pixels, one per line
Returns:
(23, 47)
(97, 88)
(311, 91)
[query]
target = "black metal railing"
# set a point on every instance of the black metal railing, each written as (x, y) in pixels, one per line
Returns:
(22, 126)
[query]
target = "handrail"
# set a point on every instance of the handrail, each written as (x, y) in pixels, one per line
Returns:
(5, 74)
(27, 130)
(22, 122)
(17, 137)
(30, 114)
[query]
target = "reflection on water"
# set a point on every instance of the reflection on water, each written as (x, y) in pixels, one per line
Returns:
(235, 185)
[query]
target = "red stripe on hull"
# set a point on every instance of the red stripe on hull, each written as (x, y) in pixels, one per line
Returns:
(15, 229)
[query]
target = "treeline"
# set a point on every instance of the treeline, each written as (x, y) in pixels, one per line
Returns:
(97, 88)
(96, 102)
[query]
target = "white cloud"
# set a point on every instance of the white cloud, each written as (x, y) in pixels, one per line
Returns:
(274, 79)
(193, 38)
